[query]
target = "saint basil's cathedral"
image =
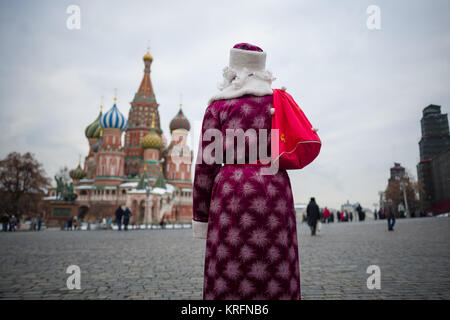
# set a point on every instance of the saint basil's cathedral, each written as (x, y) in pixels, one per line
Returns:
(150, 176)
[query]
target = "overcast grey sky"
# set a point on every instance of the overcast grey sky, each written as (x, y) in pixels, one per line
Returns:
(364, 89)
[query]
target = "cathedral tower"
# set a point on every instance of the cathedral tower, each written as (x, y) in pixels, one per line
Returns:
(152, 144)
(110, 165)
(178, 156)
(143, 109)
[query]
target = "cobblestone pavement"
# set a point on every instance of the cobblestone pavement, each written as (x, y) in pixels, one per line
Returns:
(168, 264)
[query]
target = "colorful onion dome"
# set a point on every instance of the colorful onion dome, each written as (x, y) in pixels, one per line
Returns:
(93, 130)
(152, 140)
(78, 173)
(148, 56)
(180, 122)
(113, 119)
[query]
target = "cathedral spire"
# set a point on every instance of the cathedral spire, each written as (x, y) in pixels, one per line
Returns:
(146, 88)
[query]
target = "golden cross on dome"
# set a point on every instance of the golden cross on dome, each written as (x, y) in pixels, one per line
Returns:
(101, 103)
(181, 100)
(115, 95)
(79, 159)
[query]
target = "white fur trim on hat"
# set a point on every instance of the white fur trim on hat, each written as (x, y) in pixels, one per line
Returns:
(200, 229)
(252, 60)
(246, 74)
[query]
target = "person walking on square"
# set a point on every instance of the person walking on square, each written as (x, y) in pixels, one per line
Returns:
(75, 223)
(12, 223)
(119, 215)
(126, 217)
(5, 221)
(326, 215)
(246, 215)
(313, 215)
(390, 215)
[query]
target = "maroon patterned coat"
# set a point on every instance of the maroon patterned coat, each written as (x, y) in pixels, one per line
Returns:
(251, 241)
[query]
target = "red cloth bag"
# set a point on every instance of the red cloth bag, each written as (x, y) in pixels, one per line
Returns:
(298, 144)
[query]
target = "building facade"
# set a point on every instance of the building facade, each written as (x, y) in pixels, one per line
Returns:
(433, 170)
(150, 176)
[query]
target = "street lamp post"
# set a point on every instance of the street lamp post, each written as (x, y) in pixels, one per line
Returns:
(403, 188)
(147, 193)
(380, 193)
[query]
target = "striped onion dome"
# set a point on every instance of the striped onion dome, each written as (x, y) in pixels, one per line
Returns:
(113, 119)
(152, 140)
(180, 122)
(78, 173)
(93, 130)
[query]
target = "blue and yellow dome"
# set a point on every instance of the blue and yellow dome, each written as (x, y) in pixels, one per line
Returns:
(93, 130)
(113, 119)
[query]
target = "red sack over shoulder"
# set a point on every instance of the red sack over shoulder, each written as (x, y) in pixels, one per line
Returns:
(298, 144)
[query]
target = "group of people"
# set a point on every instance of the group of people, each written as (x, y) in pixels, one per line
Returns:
(314, 216)
(74, 223)
(36, 224)
(9, 222)
(123, 215)
(327, 216)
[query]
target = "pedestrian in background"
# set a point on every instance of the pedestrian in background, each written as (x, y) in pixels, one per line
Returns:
(125, 213)
(5, 221)
(39, 223)
(390, 214)
(126, 218)
(12, 223)
(326, 215)
(361, 214)
(75, 223)
(313, 215)
(69, 224)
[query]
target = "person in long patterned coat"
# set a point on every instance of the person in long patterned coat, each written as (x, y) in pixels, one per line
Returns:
(247, 218)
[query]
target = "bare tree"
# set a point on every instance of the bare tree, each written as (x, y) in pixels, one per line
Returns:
(413, 191)
(22, 184)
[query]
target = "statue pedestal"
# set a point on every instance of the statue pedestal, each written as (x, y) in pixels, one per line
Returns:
(60, 211)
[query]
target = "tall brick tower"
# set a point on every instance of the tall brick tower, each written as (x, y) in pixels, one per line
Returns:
(143, 108)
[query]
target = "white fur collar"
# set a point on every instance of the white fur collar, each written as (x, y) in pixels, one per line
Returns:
(239, 83)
